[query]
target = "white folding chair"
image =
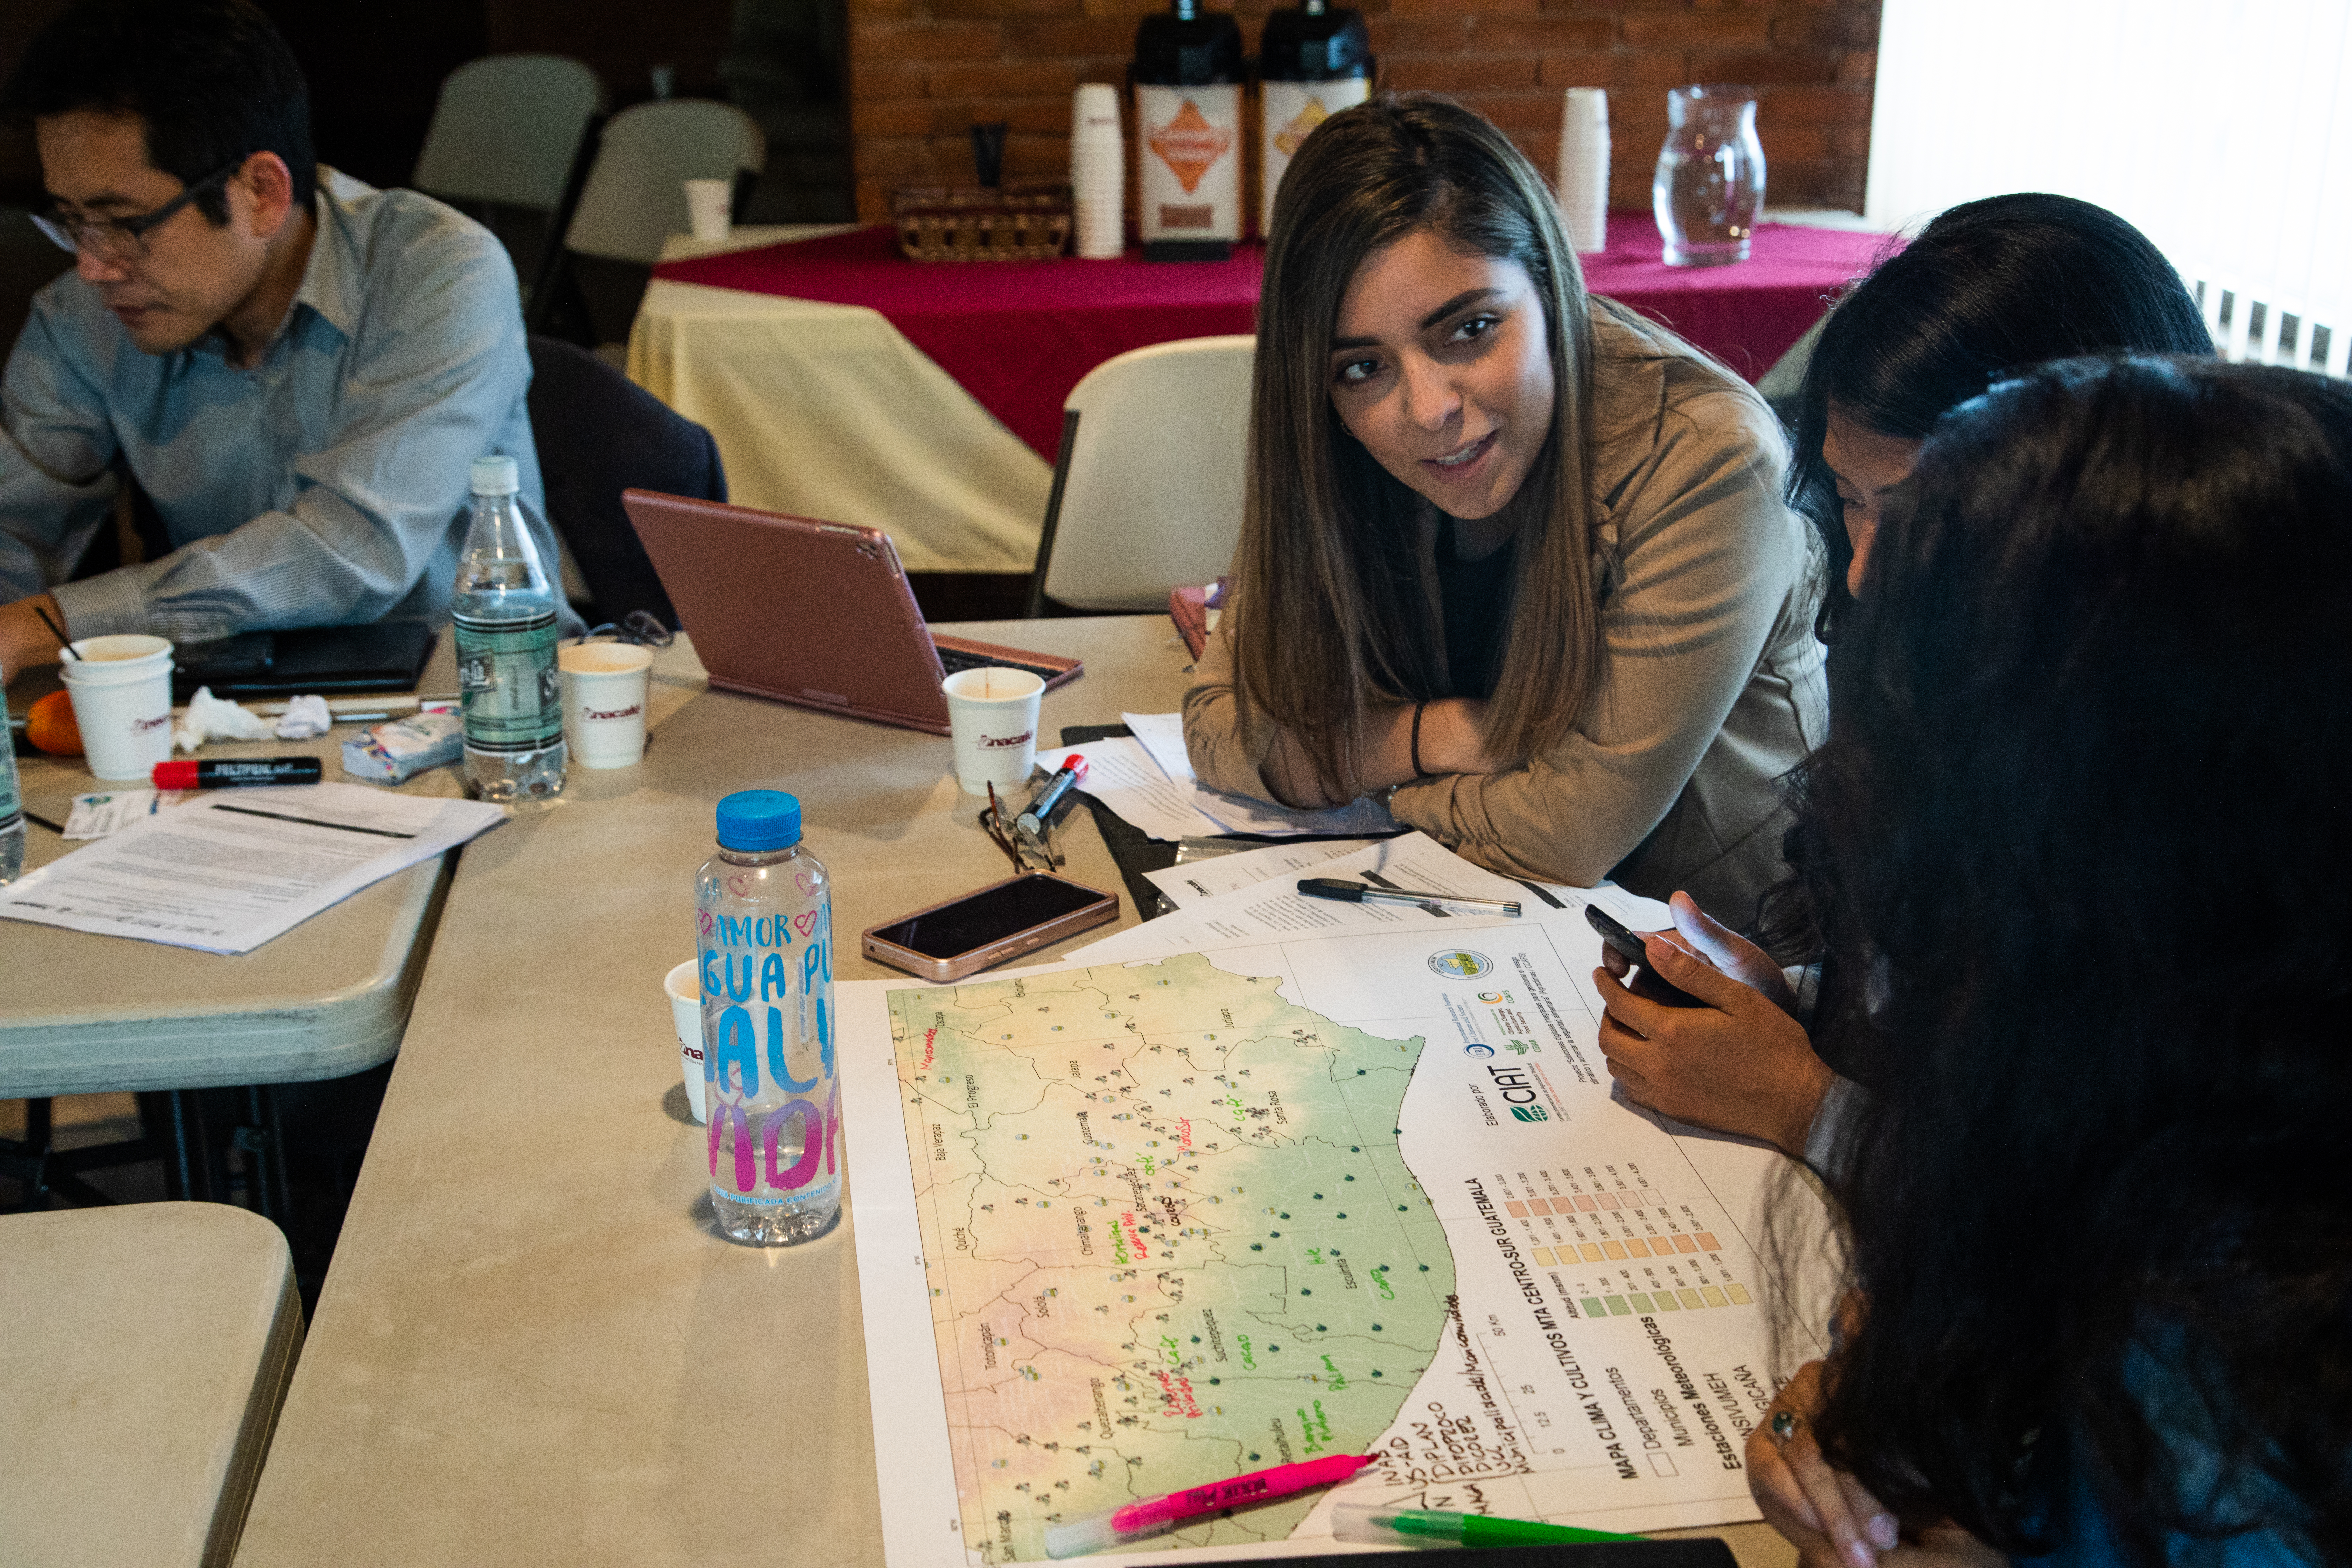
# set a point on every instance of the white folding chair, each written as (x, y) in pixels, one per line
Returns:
(507, 130)
(635, 194)
(1148, 493)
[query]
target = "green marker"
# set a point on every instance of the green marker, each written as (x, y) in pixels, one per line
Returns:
(1387, 1526)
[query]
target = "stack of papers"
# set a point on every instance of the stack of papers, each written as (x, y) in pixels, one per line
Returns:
(240, 866)
(1261, 898)
(1148, 781)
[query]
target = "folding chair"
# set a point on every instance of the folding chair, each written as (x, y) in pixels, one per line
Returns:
(508, 129)
(1147, 493)
(634, 197)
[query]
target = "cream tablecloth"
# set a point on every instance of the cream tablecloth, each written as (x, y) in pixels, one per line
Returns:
(827, 411)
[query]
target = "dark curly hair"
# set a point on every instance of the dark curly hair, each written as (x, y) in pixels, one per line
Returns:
(2085, 821)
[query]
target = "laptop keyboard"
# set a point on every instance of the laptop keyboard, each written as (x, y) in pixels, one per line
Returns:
(954, 660)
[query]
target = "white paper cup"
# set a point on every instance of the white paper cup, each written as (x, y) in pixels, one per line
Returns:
(709, 207)
(682, 986)
(121, 688)
(604, 702)
(993, 722)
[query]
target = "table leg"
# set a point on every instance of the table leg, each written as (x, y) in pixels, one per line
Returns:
(189, 1169)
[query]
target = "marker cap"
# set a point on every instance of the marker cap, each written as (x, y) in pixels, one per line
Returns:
(177, 775)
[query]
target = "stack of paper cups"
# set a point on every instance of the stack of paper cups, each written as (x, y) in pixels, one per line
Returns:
(1099, 171)
(1584, 167)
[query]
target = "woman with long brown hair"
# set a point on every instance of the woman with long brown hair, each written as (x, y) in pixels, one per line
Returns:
(1513, 559)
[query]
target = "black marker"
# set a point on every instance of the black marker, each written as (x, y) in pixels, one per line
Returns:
(1341, 892)
(237, 774)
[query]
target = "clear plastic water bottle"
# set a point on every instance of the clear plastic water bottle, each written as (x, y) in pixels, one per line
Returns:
(12, 812)
(763, 937)
(504, 610)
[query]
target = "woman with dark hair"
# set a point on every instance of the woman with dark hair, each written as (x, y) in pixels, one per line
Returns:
(1987, 290)
(2083, 823)
(1513, 559)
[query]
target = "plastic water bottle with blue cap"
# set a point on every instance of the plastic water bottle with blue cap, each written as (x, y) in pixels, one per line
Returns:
(763, 939)
(503, 613)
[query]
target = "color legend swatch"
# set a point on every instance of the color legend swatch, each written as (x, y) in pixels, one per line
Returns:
(1622, 1247)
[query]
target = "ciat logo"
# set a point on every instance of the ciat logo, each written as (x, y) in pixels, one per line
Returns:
(149, 726)
(595, 714)
(997, 743)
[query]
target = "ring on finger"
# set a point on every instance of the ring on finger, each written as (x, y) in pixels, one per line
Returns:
(1783, 1426)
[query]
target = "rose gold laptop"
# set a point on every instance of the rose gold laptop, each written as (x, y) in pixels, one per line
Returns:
(817, 614)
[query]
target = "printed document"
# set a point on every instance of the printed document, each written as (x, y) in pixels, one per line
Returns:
(1192, 882)
(229, 871)
(1160, 1215)
(1152, 786)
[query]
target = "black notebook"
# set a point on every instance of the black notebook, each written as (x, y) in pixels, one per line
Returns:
(332, 662)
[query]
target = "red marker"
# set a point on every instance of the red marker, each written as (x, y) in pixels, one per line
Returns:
(236, 773)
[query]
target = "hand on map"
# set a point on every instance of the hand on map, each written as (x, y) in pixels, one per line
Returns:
(1741, 1064)
(1828, 1516)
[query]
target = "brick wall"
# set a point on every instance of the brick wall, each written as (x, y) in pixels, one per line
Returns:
(921, 70)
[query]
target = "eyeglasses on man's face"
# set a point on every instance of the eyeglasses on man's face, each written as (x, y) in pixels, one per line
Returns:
(122, 240)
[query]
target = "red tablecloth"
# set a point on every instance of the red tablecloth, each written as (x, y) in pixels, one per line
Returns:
(1019, 335)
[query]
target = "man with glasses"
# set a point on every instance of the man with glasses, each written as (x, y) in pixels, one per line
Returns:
(296, 370)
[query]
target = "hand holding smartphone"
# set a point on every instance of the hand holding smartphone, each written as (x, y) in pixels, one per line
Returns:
(972, 930)
(1648, 984)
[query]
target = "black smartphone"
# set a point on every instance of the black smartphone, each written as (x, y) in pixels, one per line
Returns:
(967, 933)
(1648, 984)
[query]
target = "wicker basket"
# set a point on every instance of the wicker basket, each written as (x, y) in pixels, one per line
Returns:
(1022, 221)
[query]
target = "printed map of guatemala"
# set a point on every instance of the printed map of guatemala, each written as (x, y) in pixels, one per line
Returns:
(1170, 1237)
(1187, 1206)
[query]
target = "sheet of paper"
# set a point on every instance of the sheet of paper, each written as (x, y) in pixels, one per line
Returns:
(1121, 775)
(1150, 784)
(1195, 881)
(1162, 735)
(230, 871)
(97, 816)
(1160, 1222)
(1273, 907)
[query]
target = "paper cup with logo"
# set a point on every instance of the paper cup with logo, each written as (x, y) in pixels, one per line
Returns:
(709, 207)
(121, 688)
(992, 721)
(604, 702)
(683, 985)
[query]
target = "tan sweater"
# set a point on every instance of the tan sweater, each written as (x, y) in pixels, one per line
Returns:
(1711, 681)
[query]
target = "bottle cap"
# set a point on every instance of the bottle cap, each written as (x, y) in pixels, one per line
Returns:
(1315, 44)
(496, 476)
(759, 819)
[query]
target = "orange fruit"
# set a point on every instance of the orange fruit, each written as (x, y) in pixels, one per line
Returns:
(50, 725)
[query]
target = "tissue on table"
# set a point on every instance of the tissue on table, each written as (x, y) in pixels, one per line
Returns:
(406, 747)
(211, 718)
(305, 717)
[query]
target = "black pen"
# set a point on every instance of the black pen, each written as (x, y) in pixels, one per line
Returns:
(1363, 893)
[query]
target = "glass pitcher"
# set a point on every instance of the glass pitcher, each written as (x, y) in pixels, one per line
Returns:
(1710, 181)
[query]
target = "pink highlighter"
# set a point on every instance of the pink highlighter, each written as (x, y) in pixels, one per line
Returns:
(1158, 1516)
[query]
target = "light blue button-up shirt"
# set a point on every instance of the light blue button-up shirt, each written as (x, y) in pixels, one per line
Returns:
(325, 485)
